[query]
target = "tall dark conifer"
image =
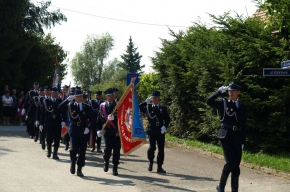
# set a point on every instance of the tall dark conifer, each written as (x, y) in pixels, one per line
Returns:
(131, 59)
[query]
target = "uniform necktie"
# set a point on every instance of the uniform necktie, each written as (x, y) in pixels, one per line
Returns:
(237, 104)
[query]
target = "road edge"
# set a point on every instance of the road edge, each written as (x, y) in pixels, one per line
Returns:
(218, 156)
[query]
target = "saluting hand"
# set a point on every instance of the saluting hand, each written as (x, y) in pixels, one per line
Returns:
(148, 100)
(71, 97)
(223, 89)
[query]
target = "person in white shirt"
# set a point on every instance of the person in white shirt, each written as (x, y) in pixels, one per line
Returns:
(7, 102)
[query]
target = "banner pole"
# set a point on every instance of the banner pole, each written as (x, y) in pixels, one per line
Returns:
(131, 85)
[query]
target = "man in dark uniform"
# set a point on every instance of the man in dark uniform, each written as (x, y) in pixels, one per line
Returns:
(27, 102)
(65, 92)
(232, 133)
(116, 91)
(42, 132)
(111, 133)
(32, 112)
(67, 121)
(89, 99)
(81, 121)
(52, 118)
(159, 120)
(96, 105)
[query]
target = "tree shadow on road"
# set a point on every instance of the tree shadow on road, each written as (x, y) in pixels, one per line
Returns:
(112, 182)
(165, 183)
(188, 177)
(4, 151)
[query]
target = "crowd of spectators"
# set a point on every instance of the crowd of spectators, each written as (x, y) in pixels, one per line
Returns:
(10, 101)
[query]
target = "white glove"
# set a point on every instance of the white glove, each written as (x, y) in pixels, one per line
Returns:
(36, 123)
(62, 124)
(86, 131)
(26, 117)
(40, 127)
(99, 133)
(223, 89)
(163, 129)
(18, 109)
(71, 97)
(242, 146)
(148, 100)
(111, 117)
(23, 112)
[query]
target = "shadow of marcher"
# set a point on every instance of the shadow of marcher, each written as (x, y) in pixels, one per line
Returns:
(104, 181)
(188, 177)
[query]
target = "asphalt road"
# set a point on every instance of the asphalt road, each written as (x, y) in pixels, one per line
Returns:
(25, 167)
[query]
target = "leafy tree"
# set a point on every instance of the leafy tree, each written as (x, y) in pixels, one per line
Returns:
(147, 84)
(23, 47)
(198, 61)
(131, 59)
(88, 64)
(118, 80)
(110, 69)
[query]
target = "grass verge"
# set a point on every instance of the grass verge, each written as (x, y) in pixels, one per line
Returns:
(280, 162)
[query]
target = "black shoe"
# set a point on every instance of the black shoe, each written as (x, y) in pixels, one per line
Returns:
(43, 145)
(31, 137)
(150, 166)
(48, 150)
(99, 151)
(73, 168)
(161, 170)
(115, 170)
(54, 156)
(36, 138)
(66, 146)
(220, 188)
(79, 172)
(93, 149)
(106, 167)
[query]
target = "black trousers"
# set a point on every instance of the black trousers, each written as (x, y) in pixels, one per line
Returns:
(112, 143)
(30, 127)
(79, 145)
(66, 138)
(42, 134)
(36, 129)
(53, 133)
(98, 141)
(233, 156)
(160, 140)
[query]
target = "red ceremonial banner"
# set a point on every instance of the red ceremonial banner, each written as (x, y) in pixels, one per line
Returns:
(125, 122)
(64, 130)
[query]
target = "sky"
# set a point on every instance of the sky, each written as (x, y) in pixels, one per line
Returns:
(145, 21)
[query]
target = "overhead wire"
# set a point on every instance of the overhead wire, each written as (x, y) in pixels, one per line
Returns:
(114, 19)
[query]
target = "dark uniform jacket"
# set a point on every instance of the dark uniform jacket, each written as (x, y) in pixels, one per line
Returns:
(28, 99)
(33, 109)
(50, 112)
(233, 119)
(157, 117)
(96, 108)
(109, 130)
(78, 119)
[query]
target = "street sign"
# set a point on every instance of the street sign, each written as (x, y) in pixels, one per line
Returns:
(276, 72)
(133, 75)
(285, 64)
